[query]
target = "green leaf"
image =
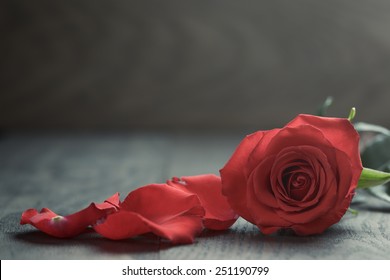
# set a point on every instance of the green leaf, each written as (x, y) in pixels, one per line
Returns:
(366, 127)
(370, 178)
(380, 192)
(377, 153)
(324, 108)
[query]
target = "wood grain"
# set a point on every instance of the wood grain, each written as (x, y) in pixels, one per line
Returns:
(66, 172)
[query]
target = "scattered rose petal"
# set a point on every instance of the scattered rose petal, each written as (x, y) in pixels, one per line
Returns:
(158, 208)
(71, 225)
(208, 187)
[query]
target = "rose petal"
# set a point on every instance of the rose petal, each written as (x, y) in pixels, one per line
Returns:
(303, 135)
(337, 131)
(71, 225)
(320, 171)
(218, 213)
(307, 190)
(113, 200)
(331, 203)
(260, 150)
(335, 162)
(307, 135)
(234, 178)
(158, 208)
(320, 225)
(261, 201)
(122, 225)
(260, 183)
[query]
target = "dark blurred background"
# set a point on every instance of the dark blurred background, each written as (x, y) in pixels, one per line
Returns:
(199, 64)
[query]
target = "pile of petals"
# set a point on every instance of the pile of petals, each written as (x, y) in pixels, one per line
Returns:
(177, 211)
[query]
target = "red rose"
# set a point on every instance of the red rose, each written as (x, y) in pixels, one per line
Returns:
(302, 176)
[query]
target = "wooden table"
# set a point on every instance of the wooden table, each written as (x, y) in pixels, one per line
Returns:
(65, 172)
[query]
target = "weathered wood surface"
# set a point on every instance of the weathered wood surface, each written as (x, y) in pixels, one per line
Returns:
(67, 172)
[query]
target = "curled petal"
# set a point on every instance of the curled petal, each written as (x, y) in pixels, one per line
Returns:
(261, 201)
(234, 178)
(336, 131)
(309, 161)
(71, 225)
(320, 225)
(113, 200)
(158, 208)
(218, 213)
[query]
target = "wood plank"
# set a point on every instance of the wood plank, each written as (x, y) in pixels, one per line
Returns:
(363, 237)
(66, 172)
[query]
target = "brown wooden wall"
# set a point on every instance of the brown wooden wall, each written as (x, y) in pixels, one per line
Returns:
(190, 64)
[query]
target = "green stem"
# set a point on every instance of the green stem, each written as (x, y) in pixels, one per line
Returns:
(352, 114)
(324, 108)
(371, 178)
(353, 211)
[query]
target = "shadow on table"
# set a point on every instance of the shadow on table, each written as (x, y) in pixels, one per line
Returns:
(243, 239)
(285, 235)
(247, 242)
(379, 207)
(150, 243)
(143, 244)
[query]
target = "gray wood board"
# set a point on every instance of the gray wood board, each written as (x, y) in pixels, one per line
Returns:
(66, 172)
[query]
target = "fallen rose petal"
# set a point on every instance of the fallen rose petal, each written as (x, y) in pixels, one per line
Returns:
(113, 200)
(71, 225)
(208, 187)
(158, 208)
(126, 224)
(122, 225)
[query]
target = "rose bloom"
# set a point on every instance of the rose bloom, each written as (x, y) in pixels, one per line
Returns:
(302, 176)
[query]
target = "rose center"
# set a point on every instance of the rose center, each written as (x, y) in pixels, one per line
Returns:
(298, 180)
(296, 183)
